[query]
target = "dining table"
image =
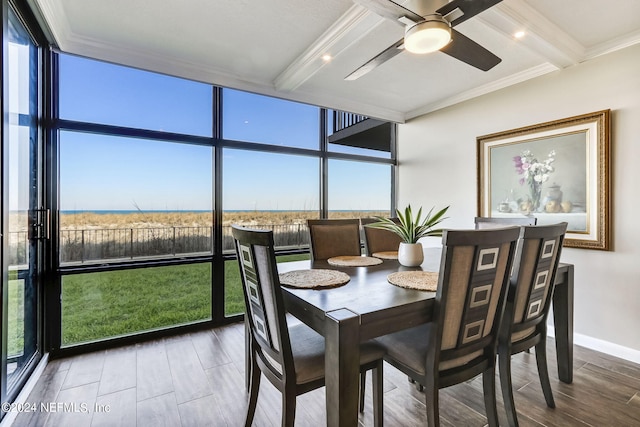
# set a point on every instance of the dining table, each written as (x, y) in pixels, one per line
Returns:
(368, 306)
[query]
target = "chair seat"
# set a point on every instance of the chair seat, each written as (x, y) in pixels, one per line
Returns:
(307, 347)
(517, 336)
(409, 348)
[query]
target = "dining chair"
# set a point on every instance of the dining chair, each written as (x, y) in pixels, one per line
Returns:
(529, 297)
(290, 357)
(461, 340)
(377, 240)
(334, 237)
(485, 222)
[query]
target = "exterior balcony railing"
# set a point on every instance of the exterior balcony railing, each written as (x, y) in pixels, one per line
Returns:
(343, 120)
(108, 244)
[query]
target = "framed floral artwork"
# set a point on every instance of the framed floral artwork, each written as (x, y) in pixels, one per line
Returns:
(556, 171)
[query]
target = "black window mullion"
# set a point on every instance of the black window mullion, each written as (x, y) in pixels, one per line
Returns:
(324, 165)
(218, 279)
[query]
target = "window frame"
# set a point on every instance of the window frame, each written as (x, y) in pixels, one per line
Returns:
(217, 258)
(39, 40)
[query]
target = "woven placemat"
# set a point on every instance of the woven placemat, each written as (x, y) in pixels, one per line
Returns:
(386, 255)
(353, 261)
(420, 280)
(316, 278)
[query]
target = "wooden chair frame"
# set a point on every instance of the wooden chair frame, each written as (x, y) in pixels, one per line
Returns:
(484, 349)
(270, 347)
(533, 326)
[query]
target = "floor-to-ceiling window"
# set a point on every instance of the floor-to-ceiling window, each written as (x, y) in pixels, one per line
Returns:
(135, 201)
(153, 170)
(24, 226)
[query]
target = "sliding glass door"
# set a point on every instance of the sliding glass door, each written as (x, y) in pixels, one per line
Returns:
(24, 221)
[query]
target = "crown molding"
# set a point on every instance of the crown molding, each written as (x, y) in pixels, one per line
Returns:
(510, 80)
(53, 20)
(613, 45)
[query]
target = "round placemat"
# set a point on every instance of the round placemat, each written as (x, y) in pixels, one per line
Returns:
(353, 261)
(420, 280)
(386, 255)
(314, 279)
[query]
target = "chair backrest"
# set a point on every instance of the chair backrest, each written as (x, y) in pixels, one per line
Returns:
(378, 240)
(264, 304)
(334, 237)
(484, 222)
(533, 278)
(472, 288)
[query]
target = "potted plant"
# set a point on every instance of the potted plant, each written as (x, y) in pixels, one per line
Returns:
(410, 230)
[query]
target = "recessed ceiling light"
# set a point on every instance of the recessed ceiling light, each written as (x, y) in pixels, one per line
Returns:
(519, 34)
(326, 57)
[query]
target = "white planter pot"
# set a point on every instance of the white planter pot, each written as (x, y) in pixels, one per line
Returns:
(410, 254)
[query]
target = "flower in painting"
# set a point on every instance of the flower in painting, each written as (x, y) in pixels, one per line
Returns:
(534, 172)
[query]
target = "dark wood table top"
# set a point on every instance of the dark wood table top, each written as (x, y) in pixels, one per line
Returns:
(382, 307)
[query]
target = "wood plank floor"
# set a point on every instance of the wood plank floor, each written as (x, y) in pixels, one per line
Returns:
(198, 380)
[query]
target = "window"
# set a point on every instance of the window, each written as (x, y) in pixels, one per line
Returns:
(358, 189)
(265, 120)
(145, 200)
(259, 192)
(125, 198)
(20, 173)
(98, 92)
(135, 195)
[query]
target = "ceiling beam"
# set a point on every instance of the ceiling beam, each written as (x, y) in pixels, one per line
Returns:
(354, 25)
(542, 36)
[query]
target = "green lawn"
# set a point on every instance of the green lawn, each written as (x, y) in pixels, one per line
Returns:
(15, 315)
(234, 301)
(108, 304)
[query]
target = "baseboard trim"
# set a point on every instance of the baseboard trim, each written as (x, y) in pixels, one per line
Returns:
(8, 420)
(602, 346)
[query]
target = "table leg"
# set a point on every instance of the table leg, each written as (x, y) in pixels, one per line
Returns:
(342, 367)
(563, 323)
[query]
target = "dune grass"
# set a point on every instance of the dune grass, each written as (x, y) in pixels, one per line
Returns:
(84, 220)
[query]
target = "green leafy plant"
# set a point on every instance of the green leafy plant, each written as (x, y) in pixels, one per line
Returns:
(411, 229)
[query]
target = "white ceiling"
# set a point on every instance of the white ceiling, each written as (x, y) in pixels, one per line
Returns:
(274, 47)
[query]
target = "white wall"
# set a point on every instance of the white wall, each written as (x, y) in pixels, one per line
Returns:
(437, 156)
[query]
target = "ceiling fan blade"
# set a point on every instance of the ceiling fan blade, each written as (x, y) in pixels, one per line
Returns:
(382, 57)
(390, 10)
(470, 52)
(469, 9)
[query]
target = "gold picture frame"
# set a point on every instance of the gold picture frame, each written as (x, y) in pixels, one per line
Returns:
(556, 171)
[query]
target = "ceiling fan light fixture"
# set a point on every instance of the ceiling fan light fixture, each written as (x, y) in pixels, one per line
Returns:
(430, 35)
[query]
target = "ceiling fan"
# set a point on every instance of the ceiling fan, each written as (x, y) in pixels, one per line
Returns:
(430, 32)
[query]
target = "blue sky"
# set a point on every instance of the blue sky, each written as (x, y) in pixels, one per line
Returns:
(110, 173)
